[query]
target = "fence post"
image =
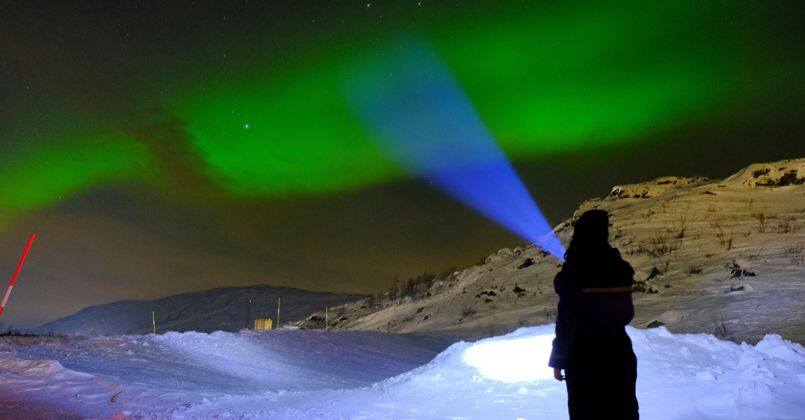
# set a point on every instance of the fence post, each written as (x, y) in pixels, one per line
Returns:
(248, 313)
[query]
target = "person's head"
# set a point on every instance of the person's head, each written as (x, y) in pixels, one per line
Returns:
(590, 233)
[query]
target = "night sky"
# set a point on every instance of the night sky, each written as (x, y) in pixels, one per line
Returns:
(165, 147)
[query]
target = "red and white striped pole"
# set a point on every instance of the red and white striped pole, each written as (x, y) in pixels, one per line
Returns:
(17, 272)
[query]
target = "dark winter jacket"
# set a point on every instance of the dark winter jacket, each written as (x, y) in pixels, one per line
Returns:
(594, 296)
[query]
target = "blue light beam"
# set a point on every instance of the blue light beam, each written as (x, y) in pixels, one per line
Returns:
(421, 117)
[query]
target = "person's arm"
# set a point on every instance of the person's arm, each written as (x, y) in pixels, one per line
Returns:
(626, 275)
(566, 320)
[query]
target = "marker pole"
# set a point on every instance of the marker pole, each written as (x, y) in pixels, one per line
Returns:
(279, 301)
(17, 272)
(153, 323)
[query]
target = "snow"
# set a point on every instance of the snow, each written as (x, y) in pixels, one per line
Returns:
(514, 367)
(363, 375)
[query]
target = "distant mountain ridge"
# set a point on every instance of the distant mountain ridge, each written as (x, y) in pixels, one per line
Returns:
(225, 309)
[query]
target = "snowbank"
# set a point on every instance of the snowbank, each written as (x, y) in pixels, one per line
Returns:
(304, 374)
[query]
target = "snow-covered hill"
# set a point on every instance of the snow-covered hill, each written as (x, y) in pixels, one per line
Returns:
(362, 375)
(718, 256)
(225, 309)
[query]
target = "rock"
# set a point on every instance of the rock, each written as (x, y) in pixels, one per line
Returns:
(738, 269)
(486, 293)
(642, 286)
(500, 255)
(653, 188)
(742, 273)
(740, 288)
(528, 262)
(671, 317)
(777, 174)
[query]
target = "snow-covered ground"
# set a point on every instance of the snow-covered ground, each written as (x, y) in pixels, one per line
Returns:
(363, 375)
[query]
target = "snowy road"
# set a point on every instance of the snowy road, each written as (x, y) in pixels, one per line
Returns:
(361, 375)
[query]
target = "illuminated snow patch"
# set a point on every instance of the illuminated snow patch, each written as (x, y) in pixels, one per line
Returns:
(513, 360)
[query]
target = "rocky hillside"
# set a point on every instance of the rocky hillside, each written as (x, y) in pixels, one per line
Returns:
(224, 309)
(720, 256)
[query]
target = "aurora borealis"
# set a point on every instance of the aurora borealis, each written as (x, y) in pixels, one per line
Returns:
(216, 139)
(541, 88)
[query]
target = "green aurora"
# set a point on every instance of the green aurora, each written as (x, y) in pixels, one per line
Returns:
(546, 80)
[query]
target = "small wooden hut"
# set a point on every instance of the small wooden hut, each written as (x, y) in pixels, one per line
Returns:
(263, 324)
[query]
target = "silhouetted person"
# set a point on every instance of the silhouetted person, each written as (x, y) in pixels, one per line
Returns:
(595, 305)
